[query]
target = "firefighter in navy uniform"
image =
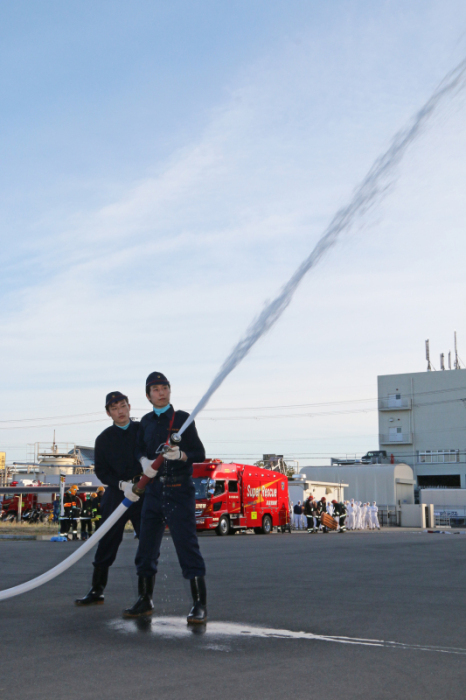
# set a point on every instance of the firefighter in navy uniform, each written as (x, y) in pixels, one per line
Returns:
(86, 518)
(169, 499)
(96, 509)
(322, 505)
(72, 508)
(117, 467)
(340, 510)
(308, 512)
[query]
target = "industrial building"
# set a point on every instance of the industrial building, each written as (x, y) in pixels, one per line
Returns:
(422, 423)
(391, 485)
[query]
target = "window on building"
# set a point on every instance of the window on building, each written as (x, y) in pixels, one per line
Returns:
(439, 481)
(438, 456)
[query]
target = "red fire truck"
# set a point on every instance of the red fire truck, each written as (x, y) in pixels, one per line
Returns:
(231, 497)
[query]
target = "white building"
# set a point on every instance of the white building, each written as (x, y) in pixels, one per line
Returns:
(300, 488)
(390, 485)
(422, 422)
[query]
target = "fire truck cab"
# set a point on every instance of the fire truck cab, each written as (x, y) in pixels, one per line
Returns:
(232, 497)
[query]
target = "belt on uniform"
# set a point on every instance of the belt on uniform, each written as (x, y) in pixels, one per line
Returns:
(173, 479)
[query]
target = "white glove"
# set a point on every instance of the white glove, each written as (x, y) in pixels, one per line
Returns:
(146, 465)
(127, 488)
(175, 453)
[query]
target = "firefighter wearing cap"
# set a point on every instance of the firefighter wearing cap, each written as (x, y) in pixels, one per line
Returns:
(117, 467)
(321, 507)
(96, 510)
(169, 499)
(86, 517)
(72, 507)
(309, 513)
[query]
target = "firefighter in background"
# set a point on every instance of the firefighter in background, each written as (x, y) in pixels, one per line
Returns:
(56, 509)
(339, 514)
(323, 509)
(72, 507)
(96, 511)
(86, 518)
(309, 513)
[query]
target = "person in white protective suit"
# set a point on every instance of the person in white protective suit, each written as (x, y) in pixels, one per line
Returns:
(357, 515)
(368, 515)
(330, 509)
(374, 516)
(350, 518)
(362, 517)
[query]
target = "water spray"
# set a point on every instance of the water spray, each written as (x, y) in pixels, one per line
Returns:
(371, 190)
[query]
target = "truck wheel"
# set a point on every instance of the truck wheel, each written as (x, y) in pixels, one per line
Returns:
(223, 528)
(267, 525)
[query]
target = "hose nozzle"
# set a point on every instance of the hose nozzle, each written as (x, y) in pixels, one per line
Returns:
(139, 488)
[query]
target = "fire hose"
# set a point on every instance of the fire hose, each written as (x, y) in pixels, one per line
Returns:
(98, 534)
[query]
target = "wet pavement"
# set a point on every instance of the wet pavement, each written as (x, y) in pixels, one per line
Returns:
(379, 616)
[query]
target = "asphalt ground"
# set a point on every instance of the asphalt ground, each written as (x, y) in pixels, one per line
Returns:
(406, 590)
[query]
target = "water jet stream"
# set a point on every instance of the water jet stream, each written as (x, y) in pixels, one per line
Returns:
(371, 190)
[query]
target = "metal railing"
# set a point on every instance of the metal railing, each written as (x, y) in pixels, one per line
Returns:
(396, 438)
(389, 516)
(442, 520)
(387, 404)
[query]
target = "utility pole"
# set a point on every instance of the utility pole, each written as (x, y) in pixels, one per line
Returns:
(429, 366)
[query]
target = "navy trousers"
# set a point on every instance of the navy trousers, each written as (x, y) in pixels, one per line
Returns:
(107, 548)
(172, 504)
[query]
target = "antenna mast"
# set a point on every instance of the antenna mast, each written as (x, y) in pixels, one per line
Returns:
(429, 366)
(457, 364)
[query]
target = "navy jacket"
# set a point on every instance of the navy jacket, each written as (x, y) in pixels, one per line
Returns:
(154, 432)
(115, 458)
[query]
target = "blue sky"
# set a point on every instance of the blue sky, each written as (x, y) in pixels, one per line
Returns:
(166, 166)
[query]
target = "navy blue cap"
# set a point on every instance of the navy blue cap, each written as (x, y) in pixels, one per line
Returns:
(114, 397)
(156, 378)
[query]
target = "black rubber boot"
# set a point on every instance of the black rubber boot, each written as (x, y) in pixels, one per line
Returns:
(198, 614)
(144, 605)
(96, 594)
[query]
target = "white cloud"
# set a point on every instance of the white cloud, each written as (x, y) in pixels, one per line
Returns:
(169, 273)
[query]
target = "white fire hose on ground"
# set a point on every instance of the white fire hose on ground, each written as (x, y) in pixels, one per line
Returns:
(72, 559)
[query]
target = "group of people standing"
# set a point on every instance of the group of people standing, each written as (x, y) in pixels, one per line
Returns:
(362, 516)
(348, 515)
(310, 514)
(84, 509)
